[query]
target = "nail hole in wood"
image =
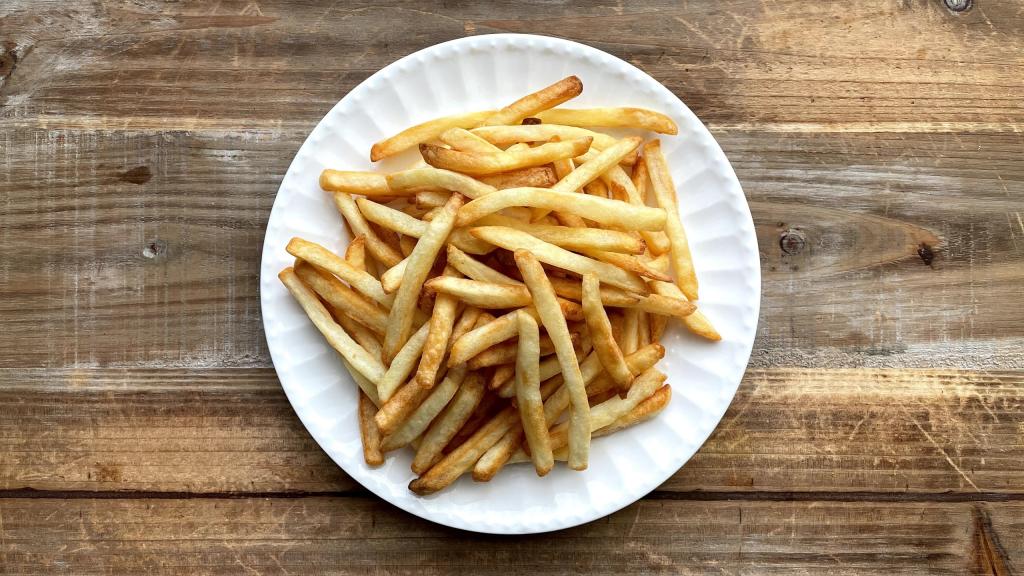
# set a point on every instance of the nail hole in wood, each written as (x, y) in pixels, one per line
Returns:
(958, 5)
(792, 242)
(154, 248)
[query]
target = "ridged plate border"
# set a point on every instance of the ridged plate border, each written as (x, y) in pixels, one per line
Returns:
(482, 72)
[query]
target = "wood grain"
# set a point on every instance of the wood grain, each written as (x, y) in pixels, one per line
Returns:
(925, 432)
(239, 64)
(84, 286)
(358, 535)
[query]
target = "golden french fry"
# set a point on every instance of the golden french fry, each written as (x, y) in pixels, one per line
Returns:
(425, 132)
(506, 352)
(363, 183)
(428, 176)
(611, 118)
(532, 104)
(644, 329)
(391, 279)
(355, 253)
(465, 141)
(550, 315)
(514, 240)
(407, 243)
(418, 266)
(528, 399)
(479, 164)
(664, 192)
(611, 296)
(481, 294)
(608, 351)
(448, 423)
(442, 322)
(502, 375)
(599, 189)
(666, 305)
(627, 262)
(432, 198)
(639, 178)
(360, 333)
(695, 322)
(342, 297)
(475, 269)
(570, 238)
(403, 364)
(368, 432)
(425, 413)
(365, 386)
(379, 249)
(407, 225)
(507, 390)
(601, 210)
(534, 177)
(479, 339)
(592, 169)
(360, 359)
(396, 410)
(323, 258)
(466, 322)
(630, 339)
(503, 136)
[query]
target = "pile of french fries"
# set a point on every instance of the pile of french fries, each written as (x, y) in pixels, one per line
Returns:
(504, 301)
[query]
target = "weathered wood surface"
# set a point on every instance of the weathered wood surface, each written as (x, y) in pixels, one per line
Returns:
(881, 146)
(354, 535)
(869, 432)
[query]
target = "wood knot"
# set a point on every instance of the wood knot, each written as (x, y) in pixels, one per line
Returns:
(958, 6)
(924, 251)
(137, 175)
(8, 58)
(154, 248)
(792, 242)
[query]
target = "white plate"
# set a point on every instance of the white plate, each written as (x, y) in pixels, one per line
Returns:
(477, 73)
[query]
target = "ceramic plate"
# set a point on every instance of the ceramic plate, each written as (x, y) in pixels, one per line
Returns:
(483, 72)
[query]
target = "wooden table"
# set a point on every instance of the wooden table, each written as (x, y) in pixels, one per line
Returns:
(880, 426)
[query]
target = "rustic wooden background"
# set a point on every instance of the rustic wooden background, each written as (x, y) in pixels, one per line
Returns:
(879, 427)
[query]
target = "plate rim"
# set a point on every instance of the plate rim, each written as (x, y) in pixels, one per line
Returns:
(745, 218)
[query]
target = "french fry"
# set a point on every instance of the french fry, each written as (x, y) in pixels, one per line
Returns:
(630, 338)
(503, 136)
(365, 386)
(532, 104)
(442, 322)
(608, 351)
(419, 263)
(407, 225)
(360, 333)
(514, 240)
(391, 279)
(342, 297)
(502, 375)
(507, 390)
(368, 432)
(430, 177)
(481, 294)
(664, 192)
(611, 118)
(479, 339)
(665, 305)
(528, 398)
(425, 413)
(465, 141)
(626, 262)
(571, 238)
(601, 210)
(695, 322)
(466, 322)
(379, 249)
(432, 198)
(534, 177)
(551, 316)
(506, 352)
(360, 359)
(362, 183)
(407, 243)
(403, 364)
(480, 164)
(323, 258)
(448, 423)
(599, 189)
(425, 132)
(475, 269)
(355, 253)
(611, 296)
(396, 410)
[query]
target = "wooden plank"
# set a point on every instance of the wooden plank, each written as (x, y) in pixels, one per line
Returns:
(924, 432)
(739, 63)
(357, 535)
(101, 269)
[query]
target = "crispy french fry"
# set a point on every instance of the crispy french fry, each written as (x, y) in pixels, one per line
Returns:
(355, 253)
(418, 266)
(479, 339)
(342, 297)
(664, 192)
(534, 177)
(532, 104)
(466, 322)
(448, 423)
(502, 375)
(475, 269)
(507, 390)
(630, 338)
(465, 141)
(360, 333)
(611, 118)
(481, 294)
(425, 413)
(362, 183)
(599, 189)
(365, 386)
(396, 410)
(506, 352)
(571, 238)
(550, 314)
(442, 322)
(428, 176)
(407, 225)
(627, 262)
(323, 258)
(403, 364)
(480, 164)
(514, 240)
(379, 249)
(368, 432)
(695, 322)
(608, 351)
(601, 210)
(502, 136)
(360, 359)
(431, 198)
(602, 161)
(407, 243)
(528, 398)
(391, 279)
(425, 132)
(611, 296)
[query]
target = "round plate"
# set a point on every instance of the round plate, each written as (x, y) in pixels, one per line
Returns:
(483, 72)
